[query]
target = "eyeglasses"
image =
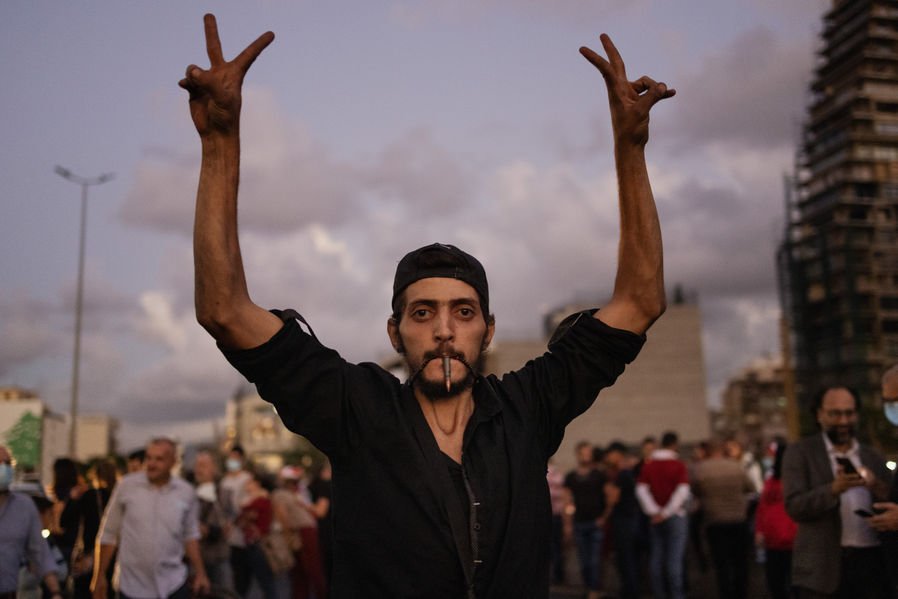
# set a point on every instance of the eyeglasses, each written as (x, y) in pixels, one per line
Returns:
(840, 413)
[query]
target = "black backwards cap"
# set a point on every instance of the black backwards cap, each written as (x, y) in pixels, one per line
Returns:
(441, 260)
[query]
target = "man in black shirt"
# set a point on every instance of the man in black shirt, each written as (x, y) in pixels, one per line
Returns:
(439, 482)
(587, 487)
(624, 520)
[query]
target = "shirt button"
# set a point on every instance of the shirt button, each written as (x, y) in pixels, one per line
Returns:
(477, 526)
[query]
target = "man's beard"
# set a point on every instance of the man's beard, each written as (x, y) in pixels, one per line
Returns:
(436, 389)
(840, 435)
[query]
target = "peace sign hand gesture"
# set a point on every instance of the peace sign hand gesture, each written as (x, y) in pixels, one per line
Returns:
(215, 94)
(630, 101)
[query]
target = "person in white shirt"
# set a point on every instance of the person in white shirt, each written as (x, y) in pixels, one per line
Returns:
(152, 521)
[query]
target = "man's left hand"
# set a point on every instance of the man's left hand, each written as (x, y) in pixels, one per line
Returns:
(630, 101)
(888, 519)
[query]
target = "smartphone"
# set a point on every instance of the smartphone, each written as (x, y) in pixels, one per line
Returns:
(847, 466)
(867, 514)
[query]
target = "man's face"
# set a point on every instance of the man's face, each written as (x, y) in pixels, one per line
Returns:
(613, 458)
(647, 449)
(584, 455)
(890, 389)
(442, 317)
(159, 462)
(204, 468)
(837, 416)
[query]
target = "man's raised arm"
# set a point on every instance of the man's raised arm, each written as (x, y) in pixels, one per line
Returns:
(638, 299)
(223, 305)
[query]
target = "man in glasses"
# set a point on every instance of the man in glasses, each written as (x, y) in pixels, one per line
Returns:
(830, 480)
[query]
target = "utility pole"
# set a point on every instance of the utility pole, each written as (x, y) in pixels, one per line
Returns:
(84, 182)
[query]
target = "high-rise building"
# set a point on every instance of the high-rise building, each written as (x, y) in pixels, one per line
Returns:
(838, 262)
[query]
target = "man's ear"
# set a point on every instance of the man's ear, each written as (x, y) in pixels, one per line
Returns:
(490, 331)
(395, 337)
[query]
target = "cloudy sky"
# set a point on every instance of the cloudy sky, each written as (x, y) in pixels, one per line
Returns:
(371, 128)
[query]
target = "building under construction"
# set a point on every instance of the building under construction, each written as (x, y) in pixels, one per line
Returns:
(838, 263)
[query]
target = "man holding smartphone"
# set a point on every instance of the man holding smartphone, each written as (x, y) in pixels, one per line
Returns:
(826, 478)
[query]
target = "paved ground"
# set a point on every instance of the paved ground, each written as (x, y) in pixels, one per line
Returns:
(700, 583)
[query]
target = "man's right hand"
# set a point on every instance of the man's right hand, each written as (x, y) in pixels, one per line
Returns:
(215, 94)
(843, 481)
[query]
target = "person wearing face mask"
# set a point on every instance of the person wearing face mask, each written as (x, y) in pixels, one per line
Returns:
(20, 537)
(827, 478)
(232, 491)
(885, 513)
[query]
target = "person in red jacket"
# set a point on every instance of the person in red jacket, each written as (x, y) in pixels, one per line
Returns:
(662, 490)
(255, 519)
(775, 530)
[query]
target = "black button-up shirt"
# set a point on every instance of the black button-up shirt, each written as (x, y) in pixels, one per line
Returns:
(402, 527)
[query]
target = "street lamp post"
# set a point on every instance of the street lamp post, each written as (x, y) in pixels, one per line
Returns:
(84, 182)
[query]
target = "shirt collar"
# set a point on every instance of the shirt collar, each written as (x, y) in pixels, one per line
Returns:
(664, 454)
(146, 482)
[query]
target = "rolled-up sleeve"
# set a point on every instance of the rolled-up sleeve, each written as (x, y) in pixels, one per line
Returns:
(111, 526)
(192, 520)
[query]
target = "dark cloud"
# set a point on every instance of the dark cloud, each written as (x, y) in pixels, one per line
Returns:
(751, 94)
(26, 331)
(736, 331)
(419, 174)
(162, 409)
(416, 14)
(289, 180)
(720, 240)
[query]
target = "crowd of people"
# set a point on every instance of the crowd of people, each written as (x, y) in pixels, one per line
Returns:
(826, 499)
(827, 502)
(143, 530)
(639, 508)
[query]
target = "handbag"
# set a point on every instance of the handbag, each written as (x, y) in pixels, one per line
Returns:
(277, 552)
(294, 541)
(82, 562)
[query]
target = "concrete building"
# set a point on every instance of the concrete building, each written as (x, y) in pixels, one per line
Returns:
(36, 435)
(95, 436)
(664, 389)
(754, 404)
(253, 423)
(838, 262)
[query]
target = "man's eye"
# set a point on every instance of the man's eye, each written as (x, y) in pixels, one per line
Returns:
(420, 313)
(466, 312)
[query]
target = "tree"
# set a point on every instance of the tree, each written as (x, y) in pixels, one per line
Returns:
(24, 440)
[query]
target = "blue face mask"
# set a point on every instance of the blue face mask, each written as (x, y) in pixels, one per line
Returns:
(233, 465)
(891, 411)
(6, 473)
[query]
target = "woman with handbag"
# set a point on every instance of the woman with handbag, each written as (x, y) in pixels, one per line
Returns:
(83, 512)
(293, 509)
(255, 521)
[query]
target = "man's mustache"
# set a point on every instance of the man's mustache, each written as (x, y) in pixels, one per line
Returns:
(439, 354)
